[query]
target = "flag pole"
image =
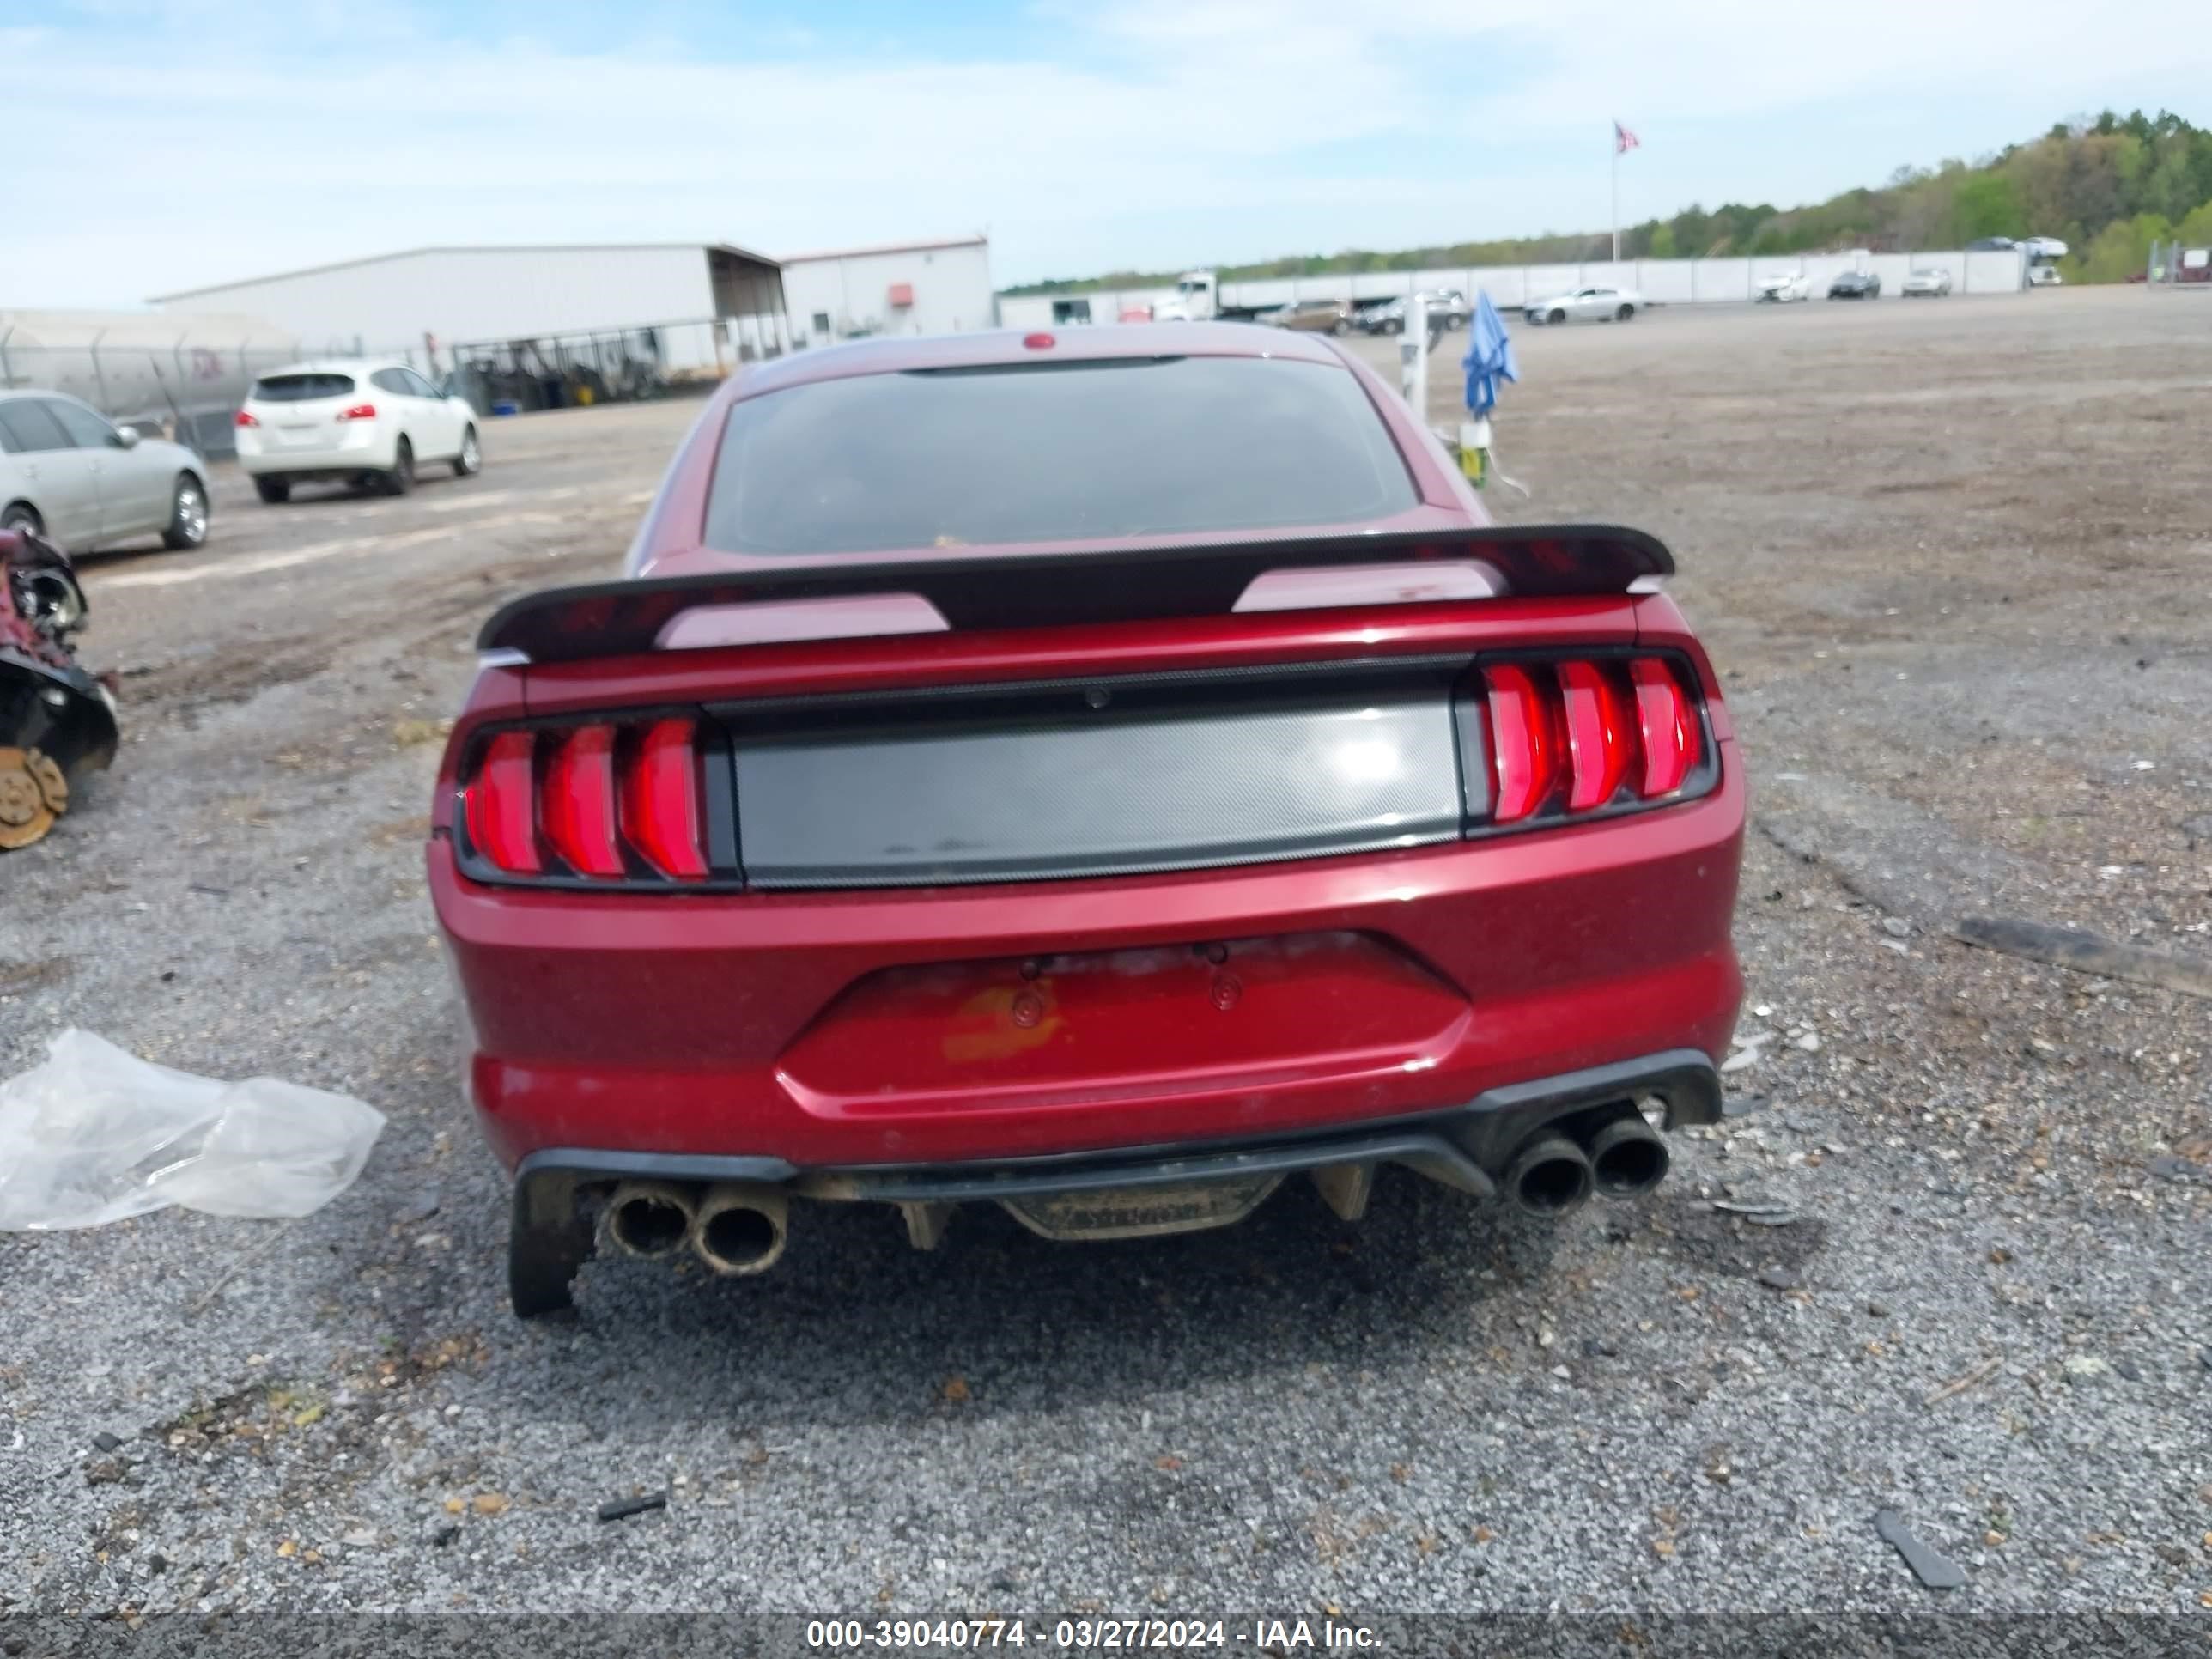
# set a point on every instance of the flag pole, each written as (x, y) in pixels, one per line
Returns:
(1616, 194)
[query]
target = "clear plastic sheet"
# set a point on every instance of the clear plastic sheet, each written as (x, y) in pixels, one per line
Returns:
(94, 1135)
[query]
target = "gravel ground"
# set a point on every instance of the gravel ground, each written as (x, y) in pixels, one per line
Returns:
(1952, 560)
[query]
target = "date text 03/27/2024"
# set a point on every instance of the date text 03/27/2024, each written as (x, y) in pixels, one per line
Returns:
(1089, 1635)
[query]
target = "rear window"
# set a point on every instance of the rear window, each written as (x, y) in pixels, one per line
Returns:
(1141, 446)
(301, 388)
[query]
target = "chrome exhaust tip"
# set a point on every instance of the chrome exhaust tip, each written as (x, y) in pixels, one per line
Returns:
(1549, 1175)
(740, 1227)
(649, 1217)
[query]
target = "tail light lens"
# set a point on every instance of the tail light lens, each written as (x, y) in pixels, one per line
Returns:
(603, 802)
(501, 807)
(244, 417)
(660, 801)
(1598, 737)
(358, 412)
(1667, 727)
(1583, 735)
(1524, 745)
(580, 801)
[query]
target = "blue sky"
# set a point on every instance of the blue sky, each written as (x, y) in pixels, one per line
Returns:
(180, 143)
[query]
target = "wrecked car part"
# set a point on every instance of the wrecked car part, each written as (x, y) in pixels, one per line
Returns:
(56, 721)
(33, 793)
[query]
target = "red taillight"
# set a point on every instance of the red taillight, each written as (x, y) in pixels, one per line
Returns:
(244, 417)
(500, 805)
(660, 801)
(1523, 754)
(1599, 736)
(358, 412)
(1672, 741)
(580, 802)
(1582, 734)
(608, 798)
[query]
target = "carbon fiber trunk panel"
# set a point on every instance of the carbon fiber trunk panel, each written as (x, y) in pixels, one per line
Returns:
(1099, 777)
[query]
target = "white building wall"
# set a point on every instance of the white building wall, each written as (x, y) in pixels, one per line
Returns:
(830, 296)
(471, 294)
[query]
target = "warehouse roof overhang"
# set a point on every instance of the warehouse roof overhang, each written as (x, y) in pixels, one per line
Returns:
(728, 251)
(820, 255)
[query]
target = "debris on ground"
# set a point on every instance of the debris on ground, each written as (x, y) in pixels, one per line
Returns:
(620, 1508)
(1767, 1212)
(1957, 1385)
(94, 1134)
(1750, 1051)
(1936, 1571)
(2088, 953)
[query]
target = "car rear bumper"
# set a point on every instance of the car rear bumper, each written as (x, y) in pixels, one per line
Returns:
(366, 451)
(1461, 1146)
(831, 1030)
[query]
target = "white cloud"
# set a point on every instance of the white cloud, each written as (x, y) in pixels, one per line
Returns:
(189, 141)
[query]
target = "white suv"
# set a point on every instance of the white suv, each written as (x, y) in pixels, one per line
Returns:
(367, 424)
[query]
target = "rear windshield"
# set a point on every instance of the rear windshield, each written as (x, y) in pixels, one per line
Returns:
(301, 388)
(1137, 447)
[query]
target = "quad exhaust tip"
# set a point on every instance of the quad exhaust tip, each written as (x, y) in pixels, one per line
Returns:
(1627, 1156)
(740, 1227)
(649, 1217)
(1549, 1176)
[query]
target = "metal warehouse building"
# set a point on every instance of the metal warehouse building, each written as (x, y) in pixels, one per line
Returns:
(707, 305)
(901, 287)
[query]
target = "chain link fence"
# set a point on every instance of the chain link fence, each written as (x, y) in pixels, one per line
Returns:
(189, 386)
(188, 389)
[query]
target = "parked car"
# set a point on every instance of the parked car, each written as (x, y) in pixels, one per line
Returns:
(1447, 305)
(369, 423)
(1932, 285)
(1856, 285)
(1601, 304)
(2044, 277)
(68, 471)
(1785, 289)
(1312, 316)
(1453, 892)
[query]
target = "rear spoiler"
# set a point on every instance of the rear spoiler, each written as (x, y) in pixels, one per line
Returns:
(983, 590)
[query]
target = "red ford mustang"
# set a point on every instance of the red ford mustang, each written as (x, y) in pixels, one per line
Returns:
(1102, 775)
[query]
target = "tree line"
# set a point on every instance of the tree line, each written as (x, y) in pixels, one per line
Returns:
(2108, 187)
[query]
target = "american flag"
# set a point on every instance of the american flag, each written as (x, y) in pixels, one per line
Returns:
(1623, 140)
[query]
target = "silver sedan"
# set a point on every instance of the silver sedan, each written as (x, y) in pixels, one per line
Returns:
(89, 484)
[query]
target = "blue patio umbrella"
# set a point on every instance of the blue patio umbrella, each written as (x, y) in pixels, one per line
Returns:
(1489, 357)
